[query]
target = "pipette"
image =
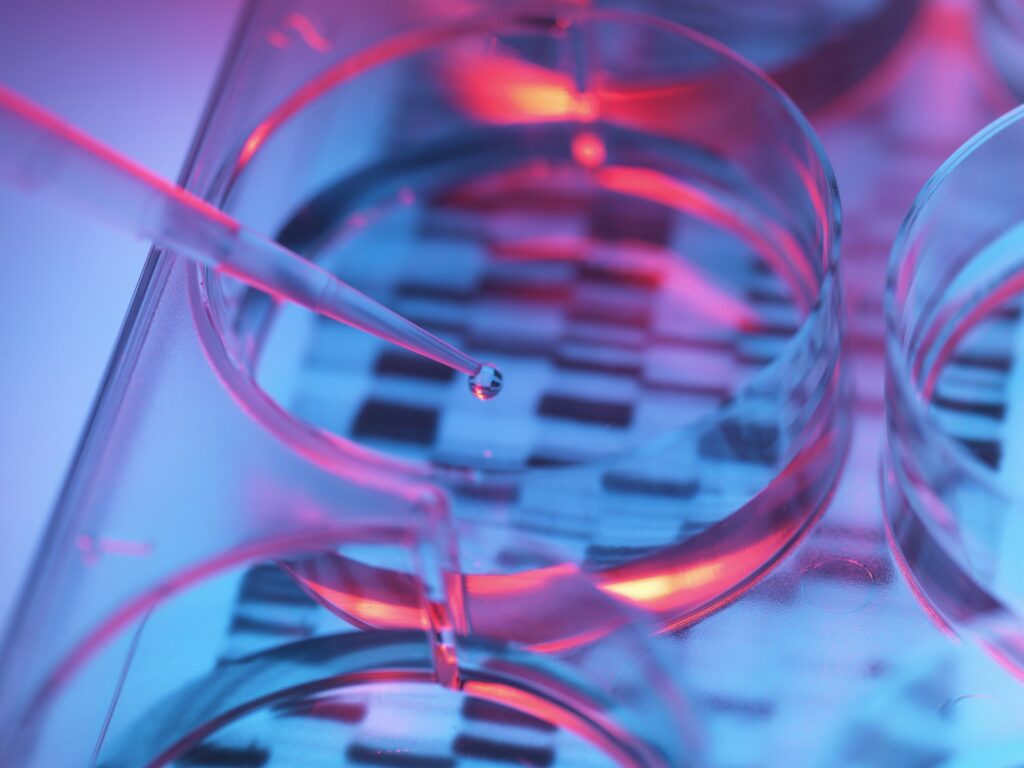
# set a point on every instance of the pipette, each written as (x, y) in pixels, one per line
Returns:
(41, 152)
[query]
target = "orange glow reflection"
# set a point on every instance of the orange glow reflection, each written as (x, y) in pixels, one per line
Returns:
(500, 89)
(384, 614)
(545, 710)
(694, 583)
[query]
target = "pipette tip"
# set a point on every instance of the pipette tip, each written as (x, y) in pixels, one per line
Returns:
(486, 383)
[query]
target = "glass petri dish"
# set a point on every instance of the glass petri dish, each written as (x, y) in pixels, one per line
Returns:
(951, 484)
(237, 662)
(653, 267)
(1001, 25)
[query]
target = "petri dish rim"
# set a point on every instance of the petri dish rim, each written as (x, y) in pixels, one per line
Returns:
(342, 455)
(927, 533)
(898, 373)
(533, 685)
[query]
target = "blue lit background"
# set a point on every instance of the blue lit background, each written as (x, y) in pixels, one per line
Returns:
(134, 73)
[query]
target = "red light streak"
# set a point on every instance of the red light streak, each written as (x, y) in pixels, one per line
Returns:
(376, 597)
(142, 180)
(522, 583)
(710, 301)
(693, 581)
(323, 83)
(383, 614)
(502, 89)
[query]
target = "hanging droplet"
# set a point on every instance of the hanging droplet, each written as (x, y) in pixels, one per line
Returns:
(486, 383)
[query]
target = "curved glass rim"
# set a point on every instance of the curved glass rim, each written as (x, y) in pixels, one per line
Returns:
(387, 658)
(545, 669)
(330, 450)
(898, 371)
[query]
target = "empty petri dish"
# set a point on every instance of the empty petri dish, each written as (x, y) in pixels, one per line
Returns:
(952, 487)
(651, 265)
(238, 662)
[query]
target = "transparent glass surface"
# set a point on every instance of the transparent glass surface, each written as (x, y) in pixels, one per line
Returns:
(242, 661)
(1001, 23)
(953, 485)
(946, 706)
(660, 293)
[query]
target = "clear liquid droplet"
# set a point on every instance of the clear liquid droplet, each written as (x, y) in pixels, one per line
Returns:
(486, 383)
